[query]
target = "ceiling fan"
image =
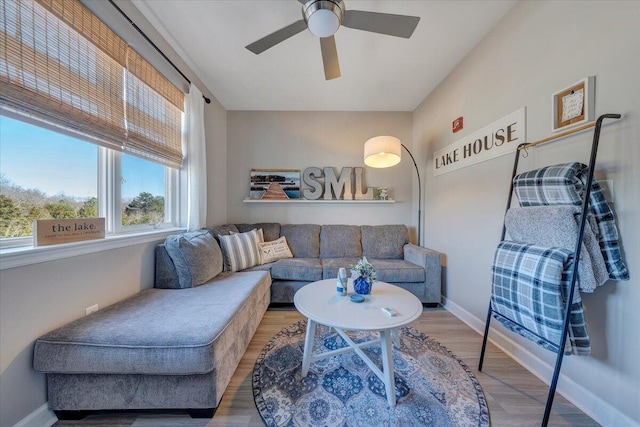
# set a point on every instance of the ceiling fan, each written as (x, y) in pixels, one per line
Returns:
(324, 17)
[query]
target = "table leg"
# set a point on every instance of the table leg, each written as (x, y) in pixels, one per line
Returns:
(308, 346)
(387, 366)
(395, 335)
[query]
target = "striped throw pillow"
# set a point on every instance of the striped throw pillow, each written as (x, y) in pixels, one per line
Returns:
(240, 250)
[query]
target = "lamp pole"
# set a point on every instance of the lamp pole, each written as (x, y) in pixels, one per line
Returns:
(419, 195)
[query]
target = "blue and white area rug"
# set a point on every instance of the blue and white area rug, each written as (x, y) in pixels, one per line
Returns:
(433, 387)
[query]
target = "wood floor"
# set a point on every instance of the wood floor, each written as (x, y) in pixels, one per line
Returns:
(515, 397)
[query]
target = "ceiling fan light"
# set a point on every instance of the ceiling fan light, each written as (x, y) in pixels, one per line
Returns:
(323, 17)
(323, 23)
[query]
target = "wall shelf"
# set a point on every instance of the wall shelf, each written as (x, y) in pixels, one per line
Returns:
(318, 201)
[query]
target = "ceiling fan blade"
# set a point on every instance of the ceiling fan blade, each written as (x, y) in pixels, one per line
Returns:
(330, 58)
(383, 23)
(276, 37)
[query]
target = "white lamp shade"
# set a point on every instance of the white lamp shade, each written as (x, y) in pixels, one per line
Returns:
(382, 151)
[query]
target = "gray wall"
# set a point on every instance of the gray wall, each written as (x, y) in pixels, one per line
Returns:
(537, 49)
(297, 140)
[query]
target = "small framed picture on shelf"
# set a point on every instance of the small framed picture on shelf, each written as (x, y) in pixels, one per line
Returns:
(275, 184)
(574, 105)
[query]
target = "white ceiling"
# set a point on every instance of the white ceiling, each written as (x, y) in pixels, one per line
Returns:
(379, 72)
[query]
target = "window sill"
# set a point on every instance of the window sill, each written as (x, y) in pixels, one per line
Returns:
(27, 255)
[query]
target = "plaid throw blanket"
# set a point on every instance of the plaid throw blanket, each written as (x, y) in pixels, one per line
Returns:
(565, 184)
(529, 289)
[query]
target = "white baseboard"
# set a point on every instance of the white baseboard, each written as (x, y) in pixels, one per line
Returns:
(41, 417)
(589, 403)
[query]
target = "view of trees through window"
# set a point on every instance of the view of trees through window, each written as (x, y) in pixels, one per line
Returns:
(145, 208)
(47, 175)
(143, 190)
(19, 207)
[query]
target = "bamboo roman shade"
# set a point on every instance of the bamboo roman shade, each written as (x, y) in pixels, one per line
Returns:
(154, 117)
(61, 64)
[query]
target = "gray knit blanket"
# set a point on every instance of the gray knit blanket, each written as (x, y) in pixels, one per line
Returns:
(558, 226)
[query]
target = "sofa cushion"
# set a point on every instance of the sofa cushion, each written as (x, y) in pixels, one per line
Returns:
(222, 230)
(397, 271)
(196, 257)
(273, 251)
(157, 331)
(270, 230)
(330, 266)
(384, 241)
(303, 239)
(309, 269)
(259, 267)
(240, 250)
(340, 241)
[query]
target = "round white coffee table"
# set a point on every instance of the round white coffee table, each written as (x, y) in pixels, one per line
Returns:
(319, 302)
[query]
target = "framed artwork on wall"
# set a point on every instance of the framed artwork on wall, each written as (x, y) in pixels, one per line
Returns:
(574, 105)
(274, 184)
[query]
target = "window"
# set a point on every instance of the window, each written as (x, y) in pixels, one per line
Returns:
(46, 174)
(43, 175)
(88, 127)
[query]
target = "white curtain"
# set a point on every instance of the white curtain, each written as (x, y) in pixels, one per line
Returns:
(195, 161)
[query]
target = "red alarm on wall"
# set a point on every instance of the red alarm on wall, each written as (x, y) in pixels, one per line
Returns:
(456, 125)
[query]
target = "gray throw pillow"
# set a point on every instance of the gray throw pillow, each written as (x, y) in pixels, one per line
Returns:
(196, 256)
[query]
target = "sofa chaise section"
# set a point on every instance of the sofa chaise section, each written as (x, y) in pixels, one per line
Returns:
(160, 349)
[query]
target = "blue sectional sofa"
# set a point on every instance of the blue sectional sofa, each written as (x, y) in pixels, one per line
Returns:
(177, 345)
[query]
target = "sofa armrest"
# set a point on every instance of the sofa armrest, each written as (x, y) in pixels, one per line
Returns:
(424, 257)
(430, 260)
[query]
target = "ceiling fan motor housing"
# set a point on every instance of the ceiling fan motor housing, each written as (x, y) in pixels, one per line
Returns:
(323, 17)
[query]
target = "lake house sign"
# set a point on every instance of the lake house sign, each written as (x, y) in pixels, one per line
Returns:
(499, 138)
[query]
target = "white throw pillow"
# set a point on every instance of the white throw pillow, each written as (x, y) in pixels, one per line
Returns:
(274, 250)
(240, 250)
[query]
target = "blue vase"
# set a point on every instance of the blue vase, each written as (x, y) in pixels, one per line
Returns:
(361, 286)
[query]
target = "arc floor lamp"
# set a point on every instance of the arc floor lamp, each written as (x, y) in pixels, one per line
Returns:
(386, 151)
